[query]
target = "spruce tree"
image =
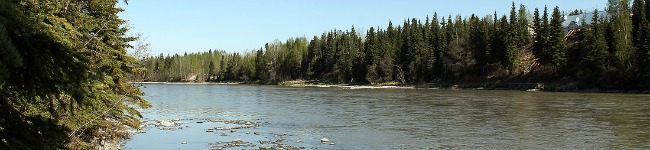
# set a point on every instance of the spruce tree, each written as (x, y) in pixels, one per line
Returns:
(260, 65)
(441, 49)
(371, 56)
(479, 41)
(504, 42)
(512, 40)
(544, 57)
(496, 43)
(556, 46)
(63, 65)
(416, 53)
(359, 67)
(436, 45)
(387, 61)
(514, 26)
(539, 38)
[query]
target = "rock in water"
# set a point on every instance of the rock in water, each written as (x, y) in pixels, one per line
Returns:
(324, 140)
(166, 123)
(237, 141)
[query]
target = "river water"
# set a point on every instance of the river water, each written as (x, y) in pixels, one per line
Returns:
(392, 118)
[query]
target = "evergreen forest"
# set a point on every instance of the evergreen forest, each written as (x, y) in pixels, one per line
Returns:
(610, 52)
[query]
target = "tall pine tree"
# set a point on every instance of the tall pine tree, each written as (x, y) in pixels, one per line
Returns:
(556, 48)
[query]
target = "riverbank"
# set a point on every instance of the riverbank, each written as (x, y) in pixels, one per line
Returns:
(317, 84)
(517, 86)
(218, 83)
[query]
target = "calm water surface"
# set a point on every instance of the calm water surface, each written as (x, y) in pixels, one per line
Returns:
(396, 118)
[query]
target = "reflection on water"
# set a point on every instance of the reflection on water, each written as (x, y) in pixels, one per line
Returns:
(394, 118)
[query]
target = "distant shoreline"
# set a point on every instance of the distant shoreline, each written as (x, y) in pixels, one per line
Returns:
(198, 83)
(460, 86)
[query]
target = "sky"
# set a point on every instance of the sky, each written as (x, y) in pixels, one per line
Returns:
(176, 27)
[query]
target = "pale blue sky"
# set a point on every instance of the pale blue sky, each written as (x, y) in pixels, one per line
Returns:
(174, 26)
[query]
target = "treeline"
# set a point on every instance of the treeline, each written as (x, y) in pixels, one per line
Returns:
(522, 47)
(63, 75)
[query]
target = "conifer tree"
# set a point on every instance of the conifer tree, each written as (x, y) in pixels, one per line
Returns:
(63, 65)
(556, 48)
(260, 65)
(436, 45)
(537, 37)
(514, 26)
(504, 43)
(479, 41)
(372, 56)
(541, 44)
(441, 49)
(496, 44)
(513, 40)
(388, 46)
(359, 67)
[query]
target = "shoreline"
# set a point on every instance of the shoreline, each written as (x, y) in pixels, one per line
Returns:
(529, 87)
(198, 83)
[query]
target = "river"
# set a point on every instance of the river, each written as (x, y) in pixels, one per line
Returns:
(391, 118)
